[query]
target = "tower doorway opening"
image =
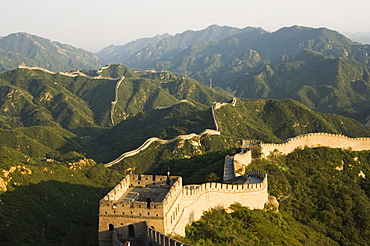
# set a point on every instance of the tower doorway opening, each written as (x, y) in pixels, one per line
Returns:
(131, 231)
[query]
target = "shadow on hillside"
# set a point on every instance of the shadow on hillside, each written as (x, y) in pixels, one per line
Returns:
(50, 213)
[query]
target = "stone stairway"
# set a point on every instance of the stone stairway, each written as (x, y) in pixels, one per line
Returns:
(229, 171)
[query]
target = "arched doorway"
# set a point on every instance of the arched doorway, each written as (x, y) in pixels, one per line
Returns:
(131, 231)
(111, 227)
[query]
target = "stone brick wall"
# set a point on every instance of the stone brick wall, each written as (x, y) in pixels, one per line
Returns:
(316, 140)
(241, 161)
(200, 198)
(181, 205)
(115, 212)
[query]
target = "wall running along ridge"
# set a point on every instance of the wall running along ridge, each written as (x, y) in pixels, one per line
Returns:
(181, 101)
(78, 73)
(71, 74)
(149, 141)
(320, 139)
(115, 99)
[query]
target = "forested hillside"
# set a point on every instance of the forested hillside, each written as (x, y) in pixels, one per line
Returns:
(324, 200)
(316, 66)
(332, 85)
(56, 169)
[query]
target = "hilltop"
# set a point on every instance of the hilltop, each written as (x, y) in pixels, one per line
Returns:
(325, 84)
(30, 50)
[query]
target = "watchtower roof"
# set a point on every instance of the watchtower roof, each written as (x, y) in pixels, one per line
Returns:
(143, 193)
(142, 188)
(253, 177)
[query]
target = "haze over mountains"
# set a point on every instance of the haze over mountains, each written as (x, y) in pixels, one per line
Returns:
(26, 49)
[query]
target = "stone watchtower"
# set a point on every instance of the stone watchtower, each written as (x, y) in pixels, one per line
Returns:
(151, 198)
(167, 207)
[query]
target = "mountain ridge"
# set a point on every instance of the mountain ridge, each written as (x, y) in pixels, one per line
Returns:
(30, 50)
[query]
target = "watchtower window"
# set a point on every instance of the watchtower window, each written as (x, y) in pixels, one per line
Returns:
(148, 201)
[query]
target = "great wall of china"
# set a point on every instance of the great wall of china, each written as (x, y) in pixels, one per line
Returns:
(151, 140)
(71, 74)
(115, 99)
(78, 73)
(319, 139)
(167, 206)
(181, 101)
(182, 205)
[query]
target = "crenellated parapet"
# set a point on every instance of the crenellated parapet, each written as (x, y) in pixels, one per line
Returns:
(196, 199)
(319, 139)
(194, 191)
(168, 206)
(149, 141)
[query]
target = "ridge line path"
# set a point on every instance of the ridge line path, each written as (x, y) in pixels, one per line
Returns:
(181, 101)
(115, 100)
(149, 141)
(70, 74)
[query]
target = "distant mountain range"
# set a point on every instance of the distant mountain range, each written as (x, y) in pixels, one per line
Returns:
(33, 97)
(25, 49)
(115, 54)
(227, 58)
(361, 37)
(325, 84)
(316, 66)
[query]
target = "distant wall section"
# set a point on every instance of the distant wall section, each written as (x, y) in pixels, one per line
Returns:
(312, 140)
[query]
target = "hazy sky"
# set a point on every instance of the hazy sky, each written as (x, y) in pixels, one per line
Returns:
(95, 24)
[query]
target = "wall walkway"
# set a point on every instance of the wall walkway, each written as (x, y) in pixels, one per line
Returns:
(70, 74)
(115, 99)
(320, 139)
(149, 141)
